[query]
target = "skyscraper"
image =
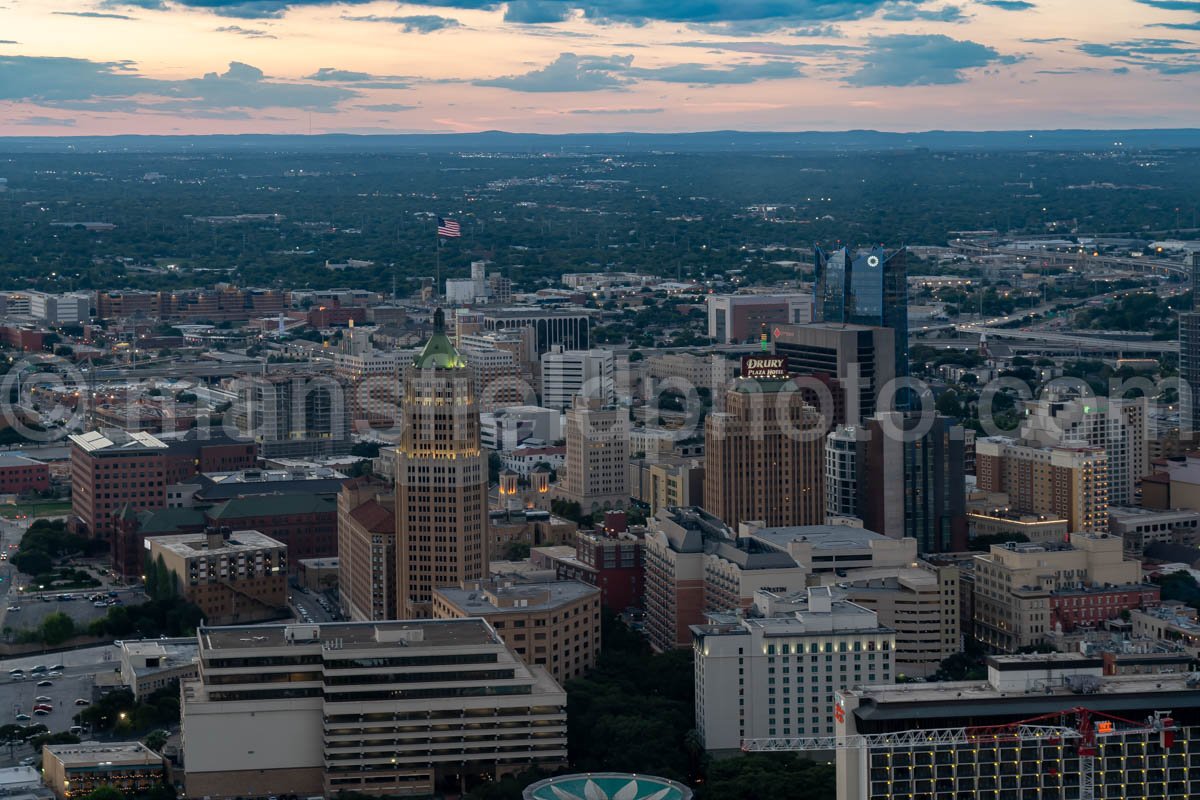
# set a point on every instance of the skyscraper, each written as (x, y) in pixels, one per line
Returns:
(441, 477)
(865, 288)
(899, 483)
(596, 472)
(764, 457)
(1189, 359)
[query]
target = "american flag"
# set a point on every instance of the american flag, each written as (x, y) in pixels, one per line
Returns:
(449, 228)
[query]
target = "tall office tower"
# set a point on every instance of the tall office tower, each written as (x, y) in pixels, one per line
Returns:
(1069, 481)
(597, 465)
(441, 478)
(567, 373)
(764, 457)
(852, 355)
(293, 415)
(1189, 360)
(1117, 425)
(899, 483)
(866, 288)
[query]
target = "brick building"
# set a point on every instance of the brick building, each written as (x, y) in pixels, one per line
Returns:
(20, 474)
(112, 469)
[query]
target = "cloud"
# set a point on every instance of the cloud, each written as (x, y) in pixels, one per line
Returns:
(908, 12)
(786, 12)
(1008, 5)
(426, 23)
(1164, 56)
(773, 48)
(616, 111)
(819, 30)
(1173, 5)
(572, 73)
(702, 74)
(421, 23)
(1049, 40)
(106, 85)
(91, 14)
(8, 41)
(568, 73)
(389, 108)
(250, 33)
(921, 60)
(339, 75)
(1178, 26)
(536, 12)
(44, 122)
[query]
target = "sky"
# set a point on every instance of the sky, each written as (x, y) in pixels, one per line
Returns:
(97, 67)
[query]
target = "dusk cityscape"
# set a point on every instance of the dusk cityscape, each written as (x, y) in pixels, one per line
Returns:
(600, 400)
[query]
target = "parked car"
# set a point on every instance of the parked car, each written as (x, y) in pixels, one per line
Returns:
(41, 698)
(14, 608)
(47, 707)
(28, 761)
(54, 674)
(45, 683)
(79, 701)
(17, 671)
(40, 712)
(39, 668)
(57, 667)
(76, 729)
(22, 718)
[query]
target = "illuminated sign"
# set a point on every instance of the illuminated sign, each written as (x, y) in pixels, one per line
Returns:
(1104, 727)
(764, 367)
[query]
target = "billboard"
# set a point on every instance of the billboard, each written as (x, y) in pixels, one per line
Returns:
(765, 367)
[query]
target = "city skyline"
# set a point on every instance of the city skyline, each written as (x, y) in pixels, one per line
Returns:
(280, 66)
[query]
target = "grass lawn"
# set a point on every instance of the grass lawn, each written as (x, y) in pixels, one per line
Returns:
(37, 508)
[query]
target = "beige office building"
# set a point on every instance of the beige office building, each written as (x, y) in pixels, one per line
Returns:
(1016, 585)
(554, 624)
(232, 576)
(76, 770)
(441, 478)
(596, 472)
(1070, 482)
(920, 603)
(388, 708)
(367, 550)
(764, 457)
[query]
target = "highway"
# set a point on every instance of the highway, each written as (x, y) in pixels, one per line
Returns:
(1051, 257)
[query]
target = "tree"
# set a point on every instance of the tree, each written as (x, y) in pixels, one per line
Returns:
(517, 551)
(56, 628)
(778, 776)
(156, 741)
(105, 792)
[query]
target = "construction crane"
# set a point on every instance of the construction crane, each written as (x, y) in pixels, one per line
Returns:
(1085, 727)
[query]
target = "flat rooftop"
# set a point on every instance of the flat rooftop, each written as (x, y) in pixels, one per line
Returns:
(424, 633)
(88, 754)
(504, 597)
(967, 695)
(821, 537)
(190, 545)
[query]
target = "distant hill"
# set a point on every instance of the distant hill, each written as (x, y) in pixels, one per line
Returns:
(710, 141)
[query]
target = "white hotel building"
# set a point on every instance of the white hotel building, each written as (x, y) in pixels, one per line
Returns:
(776, 674)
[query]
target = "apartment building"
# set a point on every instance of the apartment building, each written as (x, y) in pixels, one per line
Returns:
(294, 415)
(596, 470)
(1118, 426)
(778, 673)
(367, 550)
(232, 576)
(1070, 482)
(390, 708)
(735, 318)
(1019, 587)
(553, 624)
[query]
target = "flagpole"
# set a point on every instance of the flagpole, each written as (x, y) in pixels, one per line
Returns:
(437, 280)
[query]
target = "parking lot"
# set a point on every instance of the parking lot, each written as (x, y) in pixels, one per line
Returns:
(20, 696)
(303, 600)
(33, 608)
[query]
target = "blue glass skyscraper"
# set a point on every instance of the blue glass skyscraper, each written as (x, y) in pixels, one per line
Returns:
(869, 287)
